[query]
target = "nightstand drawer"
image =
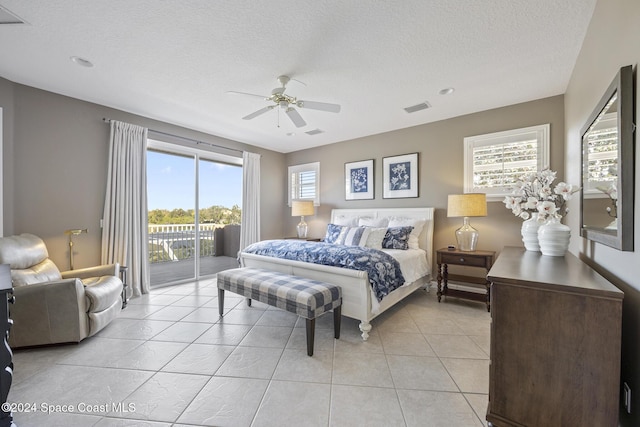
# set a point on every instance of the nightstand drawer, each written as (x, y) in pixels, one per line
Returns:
(459, 259)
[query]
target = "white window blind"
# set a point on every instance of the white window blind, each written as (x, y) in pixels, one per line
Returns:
(602, 164)
(304, 182)
(494, 162)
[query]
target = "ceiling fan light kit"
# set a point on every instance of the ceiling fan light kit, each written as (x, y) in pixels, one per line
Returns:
(288, 102)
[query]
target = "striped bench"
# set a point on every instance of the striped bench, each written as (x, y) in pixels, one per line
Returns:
(305, 297)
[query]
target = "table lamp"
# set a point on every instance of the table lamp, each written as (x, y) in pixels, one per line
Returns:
(467, 205)
(302, 208)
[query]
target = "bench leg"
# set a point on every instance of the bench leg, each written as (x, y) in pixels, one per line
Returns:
(248, 302)
(311, 330)
(220, 301)
(337, 316)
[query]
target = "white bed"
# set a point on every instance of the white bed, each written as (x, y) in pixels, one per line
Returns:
(358, 301)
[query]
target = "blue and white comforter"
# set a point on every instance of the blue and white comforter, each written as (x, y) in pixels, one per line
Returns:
(382, 269)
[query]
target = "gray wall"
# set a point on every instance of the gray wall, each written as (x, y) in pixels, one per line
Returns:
(56, 148)
(440, 148)
(55, 156)
(6, 102)
(611, 42)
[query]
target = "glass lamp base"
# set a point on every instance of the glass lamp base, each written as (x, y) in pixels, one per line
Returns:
(302, 229)
(467, 237)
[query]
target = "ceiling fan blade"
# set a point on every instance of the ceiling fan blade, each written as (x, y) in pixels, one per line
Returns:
(233, 92)
(295, 117)
(259, 112)
(322, 106)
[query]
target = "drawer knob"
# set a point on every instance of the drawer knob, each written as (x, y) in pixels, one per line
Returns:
(461, 259)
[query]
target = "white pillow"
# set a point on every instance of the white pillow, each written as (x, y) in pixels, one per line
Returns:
(367, 221)
(347, 221)
(417, 224)
(375, 238)
(353, 236)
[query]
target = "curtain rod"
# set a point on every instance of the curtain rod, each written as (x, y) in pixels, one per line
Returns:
(195, 141)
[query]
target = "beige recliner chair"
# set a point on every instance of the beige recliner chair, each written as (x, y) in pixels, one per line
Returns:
(53, 307)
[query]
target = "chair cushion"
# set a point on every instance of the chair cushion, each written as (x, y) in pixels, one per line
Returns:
(46, 271)
(23, 251)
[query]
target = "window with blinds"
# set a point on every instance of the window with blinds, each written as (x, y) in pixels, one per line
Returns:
(494, 162)
(304, 182)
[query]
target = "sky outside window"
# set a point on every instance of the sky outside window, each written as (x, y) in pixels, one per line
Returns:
(170, 182)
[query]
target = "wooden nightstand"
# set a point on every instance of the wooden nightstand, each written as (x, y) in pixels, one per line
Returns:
(481, 259)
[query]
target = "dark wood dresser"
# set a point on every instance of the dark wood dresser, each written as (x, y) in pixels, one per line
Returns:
(556, 329)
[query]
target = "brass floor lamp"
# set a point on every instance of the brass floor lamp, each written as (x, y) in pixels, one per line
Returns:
(71, 233)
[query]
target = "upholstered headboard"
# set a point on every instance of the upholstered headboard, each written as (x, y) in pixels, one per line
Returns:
(426, 236)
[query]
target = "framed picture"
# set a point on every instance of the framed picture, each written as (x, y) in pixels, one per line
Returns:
(358, 178)
(400, 176)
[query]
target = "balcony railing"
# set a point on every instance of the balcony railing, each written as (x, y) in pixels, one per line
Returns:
(175, 242)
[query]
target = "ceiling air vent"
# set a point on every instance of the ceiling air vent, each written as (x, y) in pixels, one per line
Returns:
(418, 107)
(314, 132)
(7, 17)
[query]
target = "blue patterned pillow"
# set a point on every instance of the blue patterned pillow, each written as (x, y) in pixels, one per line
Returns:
(397, 238)
(333, 233)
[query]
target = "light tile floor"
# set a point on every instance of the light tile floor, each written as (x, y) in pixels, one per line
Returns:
(169, 360)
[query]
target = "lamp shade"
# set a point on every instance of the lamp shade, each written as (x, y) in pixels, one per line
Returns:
(470, 204)
(301, 207)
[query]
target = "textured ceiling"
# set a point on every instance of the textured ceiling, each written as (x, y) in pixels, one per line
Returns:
(175, 60)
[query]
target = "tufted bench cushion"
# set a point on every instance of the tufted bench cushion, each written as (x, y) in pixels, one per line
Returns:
(305, 297)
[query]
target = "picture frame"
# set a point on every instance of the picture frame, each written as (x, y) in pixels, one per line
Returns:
(359, 182)
(400, 176)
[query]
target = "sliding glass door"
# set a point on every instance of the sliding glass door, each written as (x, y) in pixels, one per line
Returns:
(220, 198)
(194, 213)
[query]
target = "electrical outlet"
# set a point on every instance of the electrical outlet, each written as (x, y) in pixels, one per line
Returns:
(627, 397)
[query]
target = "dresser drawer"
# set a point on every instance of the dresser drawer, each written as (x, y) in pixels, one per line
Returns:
(459, 259)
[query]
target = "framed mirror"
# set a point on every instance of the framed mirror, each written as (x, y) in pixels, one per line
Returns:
(608, 167)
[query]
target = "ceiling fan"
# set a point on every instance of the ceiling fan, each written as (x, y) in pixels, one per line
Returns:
(287, 103)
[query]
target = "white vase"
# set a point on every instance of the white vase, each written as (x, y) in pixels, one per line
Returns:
(529, 233)
(554, 238)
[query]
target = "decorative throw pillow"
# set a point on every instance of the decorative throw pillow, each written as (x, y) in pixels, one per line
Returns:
(397, 238)
(417, 224)
(346, 220)
(333, 233)
(375, 238)
(353, 236)
(367, 221)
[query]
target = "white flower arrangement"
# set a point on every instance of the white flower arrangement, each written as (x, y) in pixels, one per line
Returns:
(533, 193)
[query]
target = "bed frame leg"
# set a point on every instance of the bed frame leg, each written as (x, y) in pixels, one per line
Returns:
(365, 327)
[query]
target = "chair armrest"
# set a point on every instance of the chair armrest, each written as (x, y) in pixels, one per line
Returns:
(97, 271)
(47, 313)
(102, 294)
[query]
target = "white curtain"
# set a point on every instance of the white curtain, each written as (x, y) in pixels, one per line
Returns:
(124, 232)
(250, 229)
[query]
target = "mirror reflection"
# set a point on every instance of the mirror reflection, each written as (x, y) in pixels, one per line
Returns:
(608, 166)
(600, 174)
